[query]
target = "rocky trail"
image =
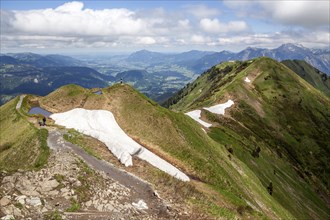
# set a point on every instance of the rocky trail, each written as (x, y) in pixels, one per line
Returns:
(140, 189)
(76, 185)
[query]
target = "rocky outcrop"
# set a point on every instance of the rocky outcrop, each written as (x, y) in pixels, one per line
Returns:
(67, 187)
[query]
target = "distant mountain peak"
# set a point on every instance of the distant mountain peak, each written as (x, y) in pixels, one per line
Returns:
(292, 46)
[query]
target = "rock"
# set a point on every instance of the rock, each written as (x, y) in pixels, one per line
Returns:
(34, 201)
(17, 211)
(48, 185)
(53, 193)
(8, 179)
(77, 183)
(7, 217)
(29, 193)
(140, 205)
(43, 210)
(21, 199)
(109, 208)
(89, 203)
(11, 210)
(65, 190)
(100, 207)
(4, 201)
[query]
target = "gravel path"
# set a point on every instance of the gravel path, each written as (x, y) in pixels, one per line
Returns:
(140, 189)
(19, 103)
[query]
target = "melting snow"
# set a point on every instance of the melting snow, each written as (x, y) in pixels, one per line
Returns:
(196, 114)
(217, 109)
(247, 80)
(220, 108)
(101, 124)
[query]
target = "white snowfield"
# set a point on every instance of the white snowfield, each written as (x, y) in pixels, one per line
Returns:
(102, 125)
(220, 108)
(196, 114)
(247, 80)
(216, 109)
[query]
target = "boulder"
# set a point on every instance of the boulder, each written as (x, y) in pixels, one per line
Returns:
(4, 201)
(140, 205)
(34, 201)
(48, 185)
(7, 217)
(21, 199)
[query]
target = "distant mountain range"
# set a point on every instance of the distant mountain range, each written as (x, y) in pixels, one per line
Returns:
(36, 74)
(157, 75)
(38, 60)
(199, 61)
(145, 56)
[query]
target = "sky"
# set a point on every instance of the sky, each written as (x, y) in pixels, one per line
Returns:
(50, 26)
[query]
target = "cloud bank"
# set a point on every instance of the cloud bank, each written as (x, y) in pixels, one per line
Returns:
(72, 25)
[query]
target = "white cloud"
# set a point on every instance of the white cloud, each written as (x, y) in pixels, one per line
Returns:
(71, 7)
(146, 40)
(309, 14)
(304, 13)
(309, 39)
(199, 39)
(201, 11)
(215, 26)
(71, 25)
(72, 19)
(184, 23)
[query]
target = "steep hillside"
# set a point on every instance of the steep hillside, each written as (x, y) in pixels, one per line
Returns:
(229, 177)
(216, 185)
(278, 127)
(312, 75)
(22, 146)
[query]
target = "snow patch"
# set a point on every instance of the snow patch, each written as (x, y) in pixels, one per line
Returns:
(196, 114)
(102, 125)
(247, 80)
(140, 205)
(220, 108)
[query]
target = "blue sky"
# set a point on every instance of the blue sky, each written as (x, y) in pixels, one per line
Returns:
(125, 26)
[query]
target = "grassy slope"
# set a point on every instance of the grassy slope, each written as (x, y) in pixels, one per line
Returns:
(280, 113)
(312, 75)
(178, 139)
(22, 146)
(65, 97)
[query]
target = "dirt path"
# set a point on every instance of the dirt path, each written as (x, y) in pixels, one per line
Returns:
(140, 189)
(19, 103)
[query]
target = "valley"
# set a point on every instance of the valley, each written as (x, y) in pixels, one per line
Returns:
(157, 75)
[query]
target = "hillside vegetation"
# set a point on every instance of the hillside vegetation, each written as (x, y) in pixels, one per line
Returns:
(319, 80)
(278, 127)
(266, 159)
(217, 187)
(22, 146)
